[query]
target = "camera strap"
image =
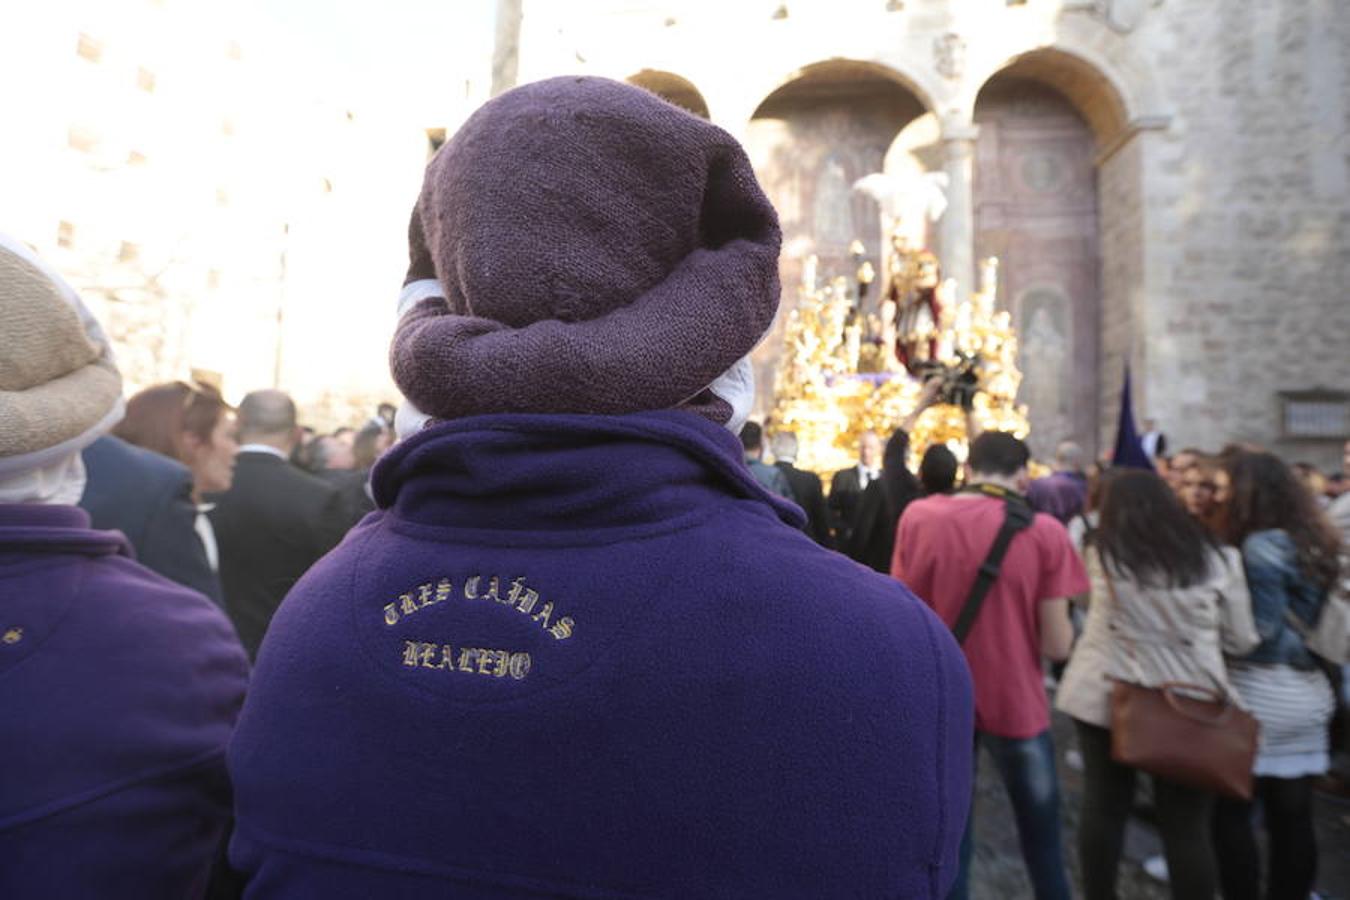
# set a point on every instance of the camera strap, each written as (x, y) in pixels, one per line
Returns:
(1017, 516)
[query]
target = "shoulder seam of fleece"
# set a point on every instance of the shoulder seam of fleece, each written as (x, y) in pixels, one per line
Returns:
(89, 795)
(358, 858)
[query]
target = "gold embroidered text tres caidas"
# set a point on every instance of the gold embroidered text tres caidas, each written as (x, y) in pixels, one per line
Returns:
(517, 596)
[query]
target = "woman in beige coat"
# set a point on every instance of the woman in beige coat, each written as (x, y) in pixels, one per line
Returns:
(1174, 604)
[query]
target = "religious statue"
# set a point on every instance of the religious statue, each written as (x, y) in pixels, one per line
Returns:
(918, 311)
(908, 201)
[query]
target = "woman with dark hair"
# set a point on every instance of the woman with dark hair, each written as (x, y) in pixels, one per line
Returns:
(121, 687)
(937, 470)
(872, 538)
(1289, 551)
(1167, 602)
(194, 425)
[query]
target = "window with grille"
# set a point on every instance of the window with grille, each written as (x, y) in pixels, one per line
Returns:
(1315, 415)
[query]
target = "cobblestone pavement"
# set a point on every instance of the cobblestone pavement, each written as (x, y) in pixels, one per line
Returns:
(999, 875)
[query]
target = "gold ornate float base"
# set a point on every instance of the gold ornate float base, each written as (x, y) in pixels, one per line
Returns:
(840, 375)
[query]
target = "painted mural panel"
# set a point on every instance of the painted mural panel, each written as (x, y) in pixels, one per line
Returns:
(1036, 209)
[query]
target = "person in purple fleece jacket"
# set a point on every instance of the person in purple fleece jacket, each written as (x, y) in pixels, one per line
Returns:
(119, 687)
(578, 651)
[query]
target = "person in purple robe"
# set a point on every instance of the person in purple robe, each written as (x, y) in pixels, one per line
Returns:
(120, 687)
(578, 650)
(1063, 492)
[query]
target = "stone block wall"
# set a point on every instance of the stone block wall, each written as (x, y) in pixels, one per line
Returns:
(1247, 218)
(1121, 226)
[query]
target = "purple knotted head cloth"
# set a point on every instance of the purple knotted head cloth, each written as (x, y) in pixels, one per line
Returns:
(581, 245)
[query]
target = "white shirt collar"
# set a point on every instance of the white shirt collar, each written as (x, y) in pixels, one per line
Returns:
(263, 448)
(207, 533)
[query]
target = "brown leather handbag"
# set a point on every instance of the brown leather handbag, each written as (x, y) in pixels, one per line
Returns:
(1183, 733)
(1169, 732)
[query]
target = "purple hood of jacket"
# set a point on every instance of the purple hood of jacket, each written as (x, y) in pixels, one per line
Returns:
(589, 656)
(120, 690)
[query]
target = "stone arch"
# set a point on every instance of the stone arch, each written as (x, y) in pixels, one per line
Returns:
(672, 87)
(1114, 93)
(843, 70)
(835, 116)
(1091, 90)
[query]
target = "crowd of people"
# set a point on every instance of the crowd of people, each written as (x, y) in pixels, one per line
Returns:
(1206, 570)
(569, 636)
(234, 503)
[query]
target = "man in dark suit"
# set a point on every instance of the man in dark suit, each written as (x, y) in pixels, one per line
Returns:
(148, 497)
(848, 484)
(275, 521)
(806, 487)
(334, 463)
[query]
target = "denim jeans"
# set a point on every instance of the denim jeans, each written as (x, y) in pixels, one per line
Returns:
(1027, 767)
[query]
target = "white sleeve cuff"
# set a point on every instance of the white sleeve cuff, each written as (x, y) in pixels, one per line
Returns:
(414, 292)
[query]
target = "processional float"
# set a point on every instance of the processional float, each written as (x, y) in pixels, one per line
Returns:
(850, 364)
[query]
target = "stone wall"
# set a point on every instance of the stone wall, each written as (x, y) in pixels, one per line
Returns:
(1249, 214)
(1121, 225)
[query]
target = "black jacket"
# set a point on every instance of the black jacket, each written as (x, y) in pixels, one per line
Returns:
(845, 492)
(148, 498)
(872, 538)
(351, 484)
(810, 496)
(272, 525)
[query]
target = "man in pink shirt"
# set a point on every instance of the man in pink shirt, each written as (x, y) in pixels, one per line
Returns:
(940, 545)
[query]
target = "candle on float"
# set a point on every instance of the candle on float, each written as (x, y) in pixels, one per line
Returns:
(809, 272)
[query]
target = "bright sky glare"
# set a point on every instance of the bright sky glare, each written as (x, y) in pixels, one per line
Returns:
(411, 54)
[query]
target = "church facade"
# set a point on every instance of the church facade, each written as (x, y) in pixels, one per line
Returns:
(1166, 183)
